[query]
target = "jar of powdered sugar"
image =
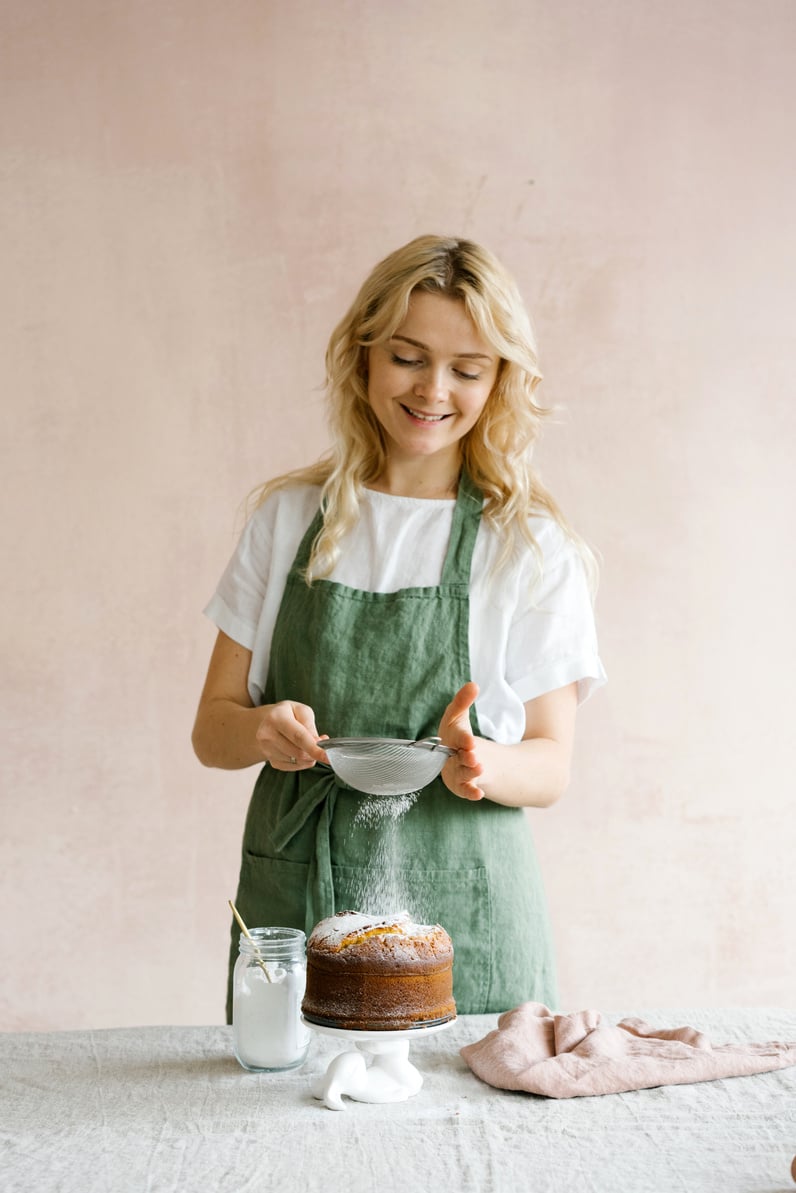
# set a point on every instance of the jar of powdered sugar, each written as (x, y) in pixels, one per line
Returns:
(268, 986)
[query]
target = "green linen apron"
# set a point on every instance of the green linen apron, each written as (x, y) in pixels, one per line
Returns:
(387, 665)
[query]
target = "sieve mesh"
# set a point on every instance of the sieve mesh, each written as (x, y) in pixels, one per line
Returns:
(385, 765)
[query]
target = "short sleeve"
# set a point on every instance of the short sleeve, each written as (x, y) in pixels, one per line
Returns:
(236, 605)
(246, 602)
(552, 636)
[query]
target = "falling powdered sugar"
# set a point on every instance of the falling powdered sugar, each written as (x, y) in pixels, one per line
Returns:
(375, 809)
(381, 887)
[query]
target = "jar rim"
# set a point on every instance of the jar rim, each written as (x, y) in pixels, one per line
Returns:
(272, 941)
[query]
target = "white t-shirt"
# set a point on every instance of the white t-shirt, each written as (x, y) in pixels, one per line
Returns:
(527, 636)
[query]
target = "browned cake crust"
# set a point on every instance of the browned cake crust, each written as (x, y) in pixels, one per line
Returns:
(367, 973)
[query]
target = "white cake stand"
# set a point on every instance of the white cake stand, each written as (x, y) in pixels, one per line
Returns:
(377, 1070)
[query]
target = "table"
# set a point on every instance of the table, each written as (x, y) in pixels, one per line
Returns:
(169, 1110)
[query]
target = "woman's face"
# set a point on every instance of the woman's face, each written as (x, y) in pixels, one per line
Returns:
(428, 384)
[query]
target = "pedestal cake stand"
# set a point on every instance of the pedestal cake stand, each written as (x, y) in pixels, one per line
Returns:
(378, 1069)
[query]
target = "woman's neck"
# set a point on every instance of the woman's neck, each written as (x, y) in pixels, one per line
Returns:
(420, 478)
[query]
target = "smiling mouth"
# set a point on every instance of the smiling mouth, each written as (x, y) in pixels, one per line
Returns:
(424, 418)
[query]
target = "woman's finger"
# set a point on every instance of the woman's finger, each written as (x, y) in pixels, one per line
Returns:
(461, 702)
(287, 735)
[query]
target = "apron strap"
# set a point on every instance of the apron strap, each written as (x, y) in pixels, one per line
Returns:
(320, 887)
(305, 546)
(464, 530)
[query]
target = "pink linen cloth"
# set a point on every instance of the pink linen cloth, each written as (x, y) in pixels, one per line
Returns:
(573, 1056)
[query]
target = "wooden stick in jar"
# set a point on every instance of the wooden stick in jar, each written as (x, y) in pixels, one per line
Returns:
(250, 938)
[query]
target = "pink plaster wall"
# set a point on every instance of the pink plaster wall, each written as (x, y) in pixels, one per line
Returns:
(190, 194)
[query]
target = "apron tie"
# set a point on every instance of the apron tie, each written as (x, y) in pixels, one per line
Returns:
(320, 793)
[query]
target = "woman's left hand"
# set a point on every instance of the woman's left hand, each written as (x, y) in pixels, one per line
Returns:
(460, 773)
(531, 773)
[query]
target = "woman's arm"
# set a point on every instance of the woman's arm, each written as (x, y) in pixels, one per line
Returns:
(532, 773)
(229, 732)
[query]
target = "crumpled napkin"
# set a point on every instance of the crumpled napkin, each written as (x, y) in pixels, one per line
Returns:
(572, 1056)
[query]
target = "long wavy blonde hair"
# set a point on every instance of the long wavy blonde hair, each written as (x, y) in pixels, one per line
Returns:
(496, 452)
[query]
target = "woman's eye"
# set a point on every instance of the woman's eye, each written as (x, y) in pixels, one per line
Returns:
(406, 362)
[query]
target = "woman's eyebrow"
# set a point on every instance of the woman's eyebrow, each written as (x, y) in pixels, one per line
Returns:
(456, 355)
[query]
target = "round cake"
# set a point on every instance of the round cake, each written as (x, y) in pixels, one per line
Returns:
(385, 973)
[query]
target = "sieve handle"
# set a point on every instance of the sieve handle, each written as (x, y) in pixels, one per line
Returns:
(435, 743)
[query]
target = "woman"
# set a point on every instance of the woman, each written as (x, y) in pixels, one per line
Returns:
(416, 580)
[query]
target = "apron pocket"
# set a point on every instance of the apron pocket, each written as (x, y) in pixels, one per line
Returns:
(456, 899)
(272, 892)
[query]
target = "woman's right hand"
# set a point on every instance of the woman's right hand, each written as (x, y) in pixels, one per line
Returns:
(230, 732)
(287, 736)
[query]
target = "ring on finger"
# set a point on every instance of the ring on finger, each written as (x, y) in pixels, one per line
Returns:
(292, 760)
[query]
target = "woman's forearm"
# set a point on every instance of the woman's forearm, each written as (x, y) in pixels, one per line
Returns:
(225, 735)
(532, 773)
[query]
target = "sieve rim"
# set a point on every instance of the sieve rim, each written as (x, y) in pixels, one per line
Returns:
(432, 744)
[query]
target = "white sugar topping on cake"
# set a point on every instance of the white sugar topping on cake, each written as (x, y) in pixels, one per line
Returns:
(348, 925)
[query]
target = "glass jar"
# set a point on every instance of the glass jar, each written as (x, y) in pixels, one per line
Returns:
(267, 989)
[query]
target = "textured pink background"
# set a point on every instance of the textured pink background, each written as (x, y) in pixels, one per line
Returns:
(191, 193)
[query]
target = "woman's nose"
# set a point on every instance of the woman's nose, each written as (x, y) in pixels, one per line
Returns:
(432, 385)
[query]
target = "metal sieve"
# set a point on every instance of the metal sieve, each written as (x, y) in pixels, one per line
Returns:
(386, 765)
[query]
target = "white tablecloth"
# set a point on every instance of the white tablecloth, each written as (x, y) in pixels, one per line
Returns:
(169, 1109)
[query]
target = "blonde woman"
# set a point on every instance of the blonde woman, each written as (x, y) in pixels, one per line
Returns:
(417, 580)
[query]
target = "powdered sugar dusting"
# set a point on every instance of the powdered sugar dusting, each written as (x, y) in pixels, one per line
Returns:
(344, 928)
(375, 809)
